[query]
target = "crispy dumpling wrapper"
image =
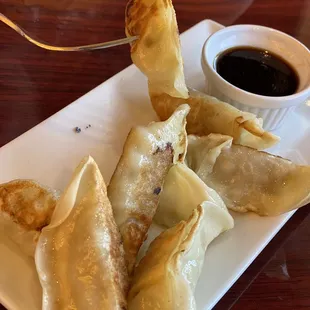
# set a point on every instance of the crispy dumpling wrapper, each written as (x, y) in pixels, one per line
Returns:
(25, 208)
(136, 184)
(79, 256)
(157, 53)
(247, 179)
(184, 189)
(167, 275)
(210, 115)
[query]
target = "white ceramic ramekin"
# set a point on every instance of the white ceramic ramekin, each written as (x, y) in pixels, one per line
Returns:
(273, 110)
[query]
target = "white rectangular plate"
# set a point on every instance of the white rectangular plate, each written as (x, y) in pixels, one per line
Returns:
(50, 152)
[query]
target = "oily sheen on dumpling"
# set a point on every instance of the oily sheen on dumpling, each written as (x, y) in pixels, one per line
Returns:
(79, 256)
(210, 115)
(184, 189)
(166, 277)
(247, 179)
(136, 184)
(25, 208)
(155, 23)
(157, 53)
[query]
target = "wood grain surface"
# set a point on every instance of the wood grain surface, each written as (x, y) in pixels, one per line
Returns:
(34, 84)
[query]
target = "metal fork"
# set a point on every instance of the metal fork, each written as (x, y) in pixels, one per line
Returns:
(46, 46)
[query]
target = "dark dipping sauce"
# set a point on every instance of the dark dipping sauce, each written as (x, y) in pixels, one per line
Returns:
(257, 71)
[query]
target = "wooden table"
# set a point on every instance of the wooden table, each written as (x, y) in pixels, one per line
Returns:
(34, 84)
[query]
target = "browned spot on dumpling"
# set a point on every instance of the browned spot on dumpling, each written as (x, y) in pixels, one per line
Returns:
(28, 203)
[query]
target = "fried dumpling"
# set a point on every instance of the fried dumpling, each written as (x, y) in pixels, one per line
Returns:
(157, 53)
(79, 256)
(136, 184)
(247, 179)
(184, 189)
(25, 208)
(167, 275)
(210, 115)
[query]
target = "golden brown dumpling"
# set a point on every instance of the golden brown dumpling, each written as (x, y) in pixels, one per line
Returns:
(136, 184)
(157, 52)
(79, 257)
(25, 208)
(210, 115)
(167, 276)
(247, 179)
